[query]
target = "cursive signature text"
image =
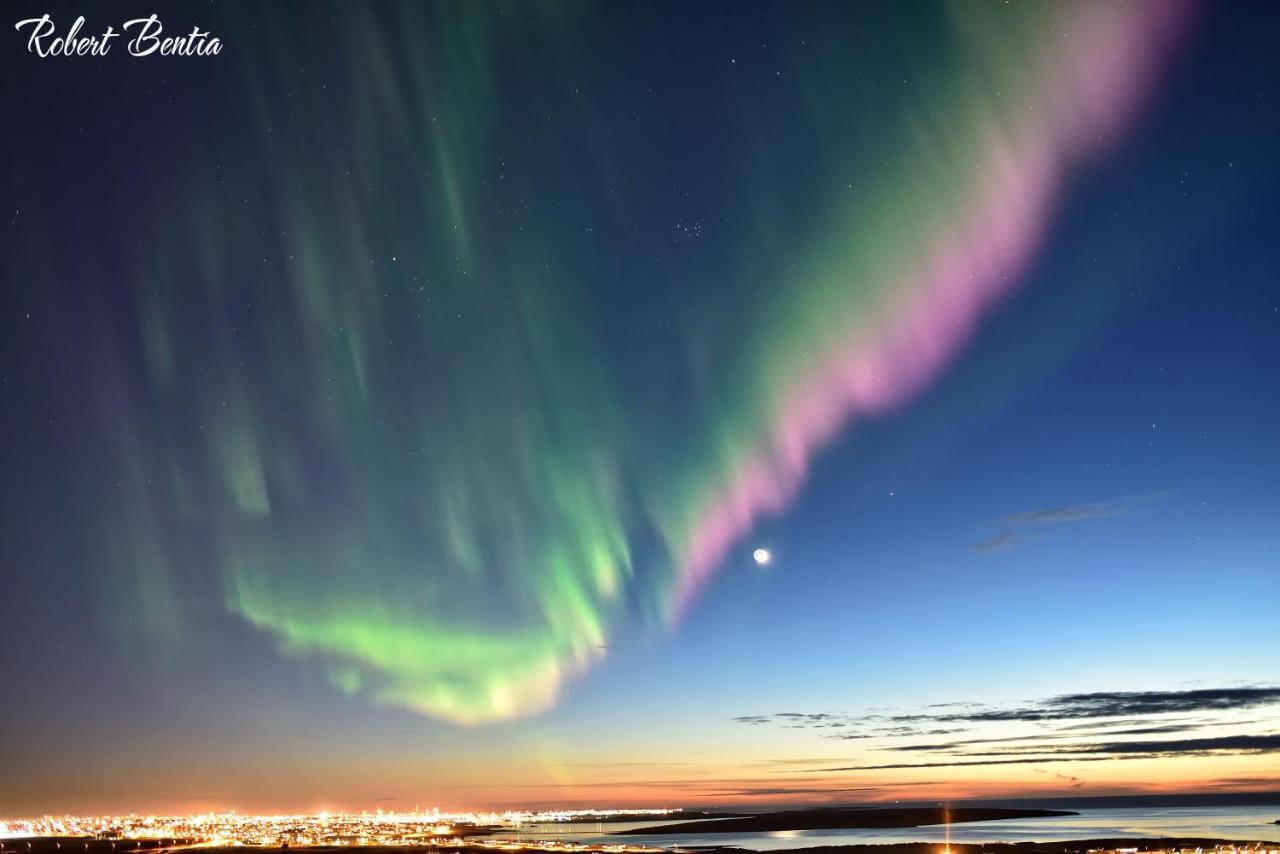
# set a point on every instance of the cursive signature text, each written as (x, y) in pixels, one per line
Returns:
(141, 37)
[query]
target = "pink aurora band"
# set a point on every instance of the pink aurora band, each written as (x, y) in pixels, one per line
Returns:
(1089, 82)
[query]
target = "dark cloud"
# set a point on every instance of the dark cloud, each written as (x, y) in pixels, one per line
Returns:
(1134, 722)
(1232, 745)
(1067, 733)
(1152, 730)
(892, 732)
(1073, 782)
(1100, 714)
(1067, 707)
(1200, 746)
(954, 764)
(1114, 704)
(798, 720)
(997, 543)
(1064, 515)
(1069, 513)
(1220, 744)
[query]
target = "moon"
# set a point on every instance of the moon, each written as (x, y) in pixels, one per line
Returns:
(761, 556)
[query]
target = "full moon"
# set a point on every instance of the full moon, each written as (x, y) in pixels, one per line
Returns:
(761, 556)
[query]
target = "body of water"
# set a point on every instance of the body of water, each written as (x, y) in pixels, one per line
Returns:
(1213, 822)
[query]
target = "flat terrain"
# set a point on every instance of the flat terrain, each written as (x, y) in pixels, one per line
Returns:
(623, 818)
(835, 819)
(1073, 846)
(66, 845)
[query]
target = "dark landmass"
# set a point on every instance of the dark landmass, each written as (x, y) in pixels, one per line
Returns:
(77, 845)
(837, 818)
(618, 818)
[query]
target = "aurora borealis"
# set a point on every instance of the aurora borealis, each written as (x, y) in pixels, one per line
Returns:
(471, 542)
(449, 362)
(996, 162)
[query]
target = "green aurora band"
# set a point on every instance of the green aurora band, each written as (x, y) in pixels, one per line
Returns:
(380, 396)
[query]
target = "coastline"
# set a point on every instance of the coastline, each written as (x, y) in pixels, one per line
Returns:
(832, 818)
(71, 845)
(1069, 846)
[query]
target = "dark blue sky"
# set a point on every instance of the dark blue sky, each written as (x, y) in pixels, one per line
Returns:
(269, 516)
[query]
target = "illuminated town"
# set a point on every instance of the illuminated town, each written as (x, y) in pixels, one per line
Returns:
(499, 831)
(422, 828)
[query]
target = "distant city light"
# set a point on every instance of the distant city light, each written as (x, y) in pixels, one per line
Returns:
(433, 828)
(421, 829)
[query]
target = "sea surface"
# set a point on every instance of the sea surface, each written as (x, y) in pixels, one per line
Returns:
(1214, 822)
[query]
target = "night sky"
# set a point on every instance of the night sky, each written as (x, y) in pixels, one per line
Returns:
(392, 405)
